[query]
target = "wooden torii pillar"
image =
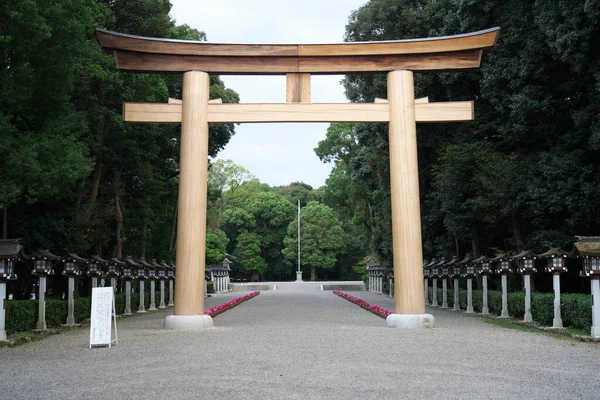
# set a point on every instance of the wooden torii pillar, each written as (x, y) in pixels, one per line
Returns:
(196, 60)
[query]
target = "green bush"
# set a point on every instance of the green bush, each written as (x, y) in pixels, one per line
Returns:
(576, 309)
(209, 288)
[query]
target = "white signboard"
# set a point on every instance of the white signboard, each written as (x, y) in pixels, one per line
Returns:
(103, 310)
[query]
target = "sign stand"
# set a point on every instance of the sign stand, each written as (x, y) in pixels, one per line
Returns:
(103, 310)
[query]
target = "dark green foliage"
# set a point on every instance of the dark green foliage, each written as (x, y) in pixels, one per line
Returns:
(576, 309)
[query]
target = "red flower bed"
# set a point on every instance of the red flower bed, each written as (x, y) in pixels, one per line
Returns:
(213, 312)
(380, 312)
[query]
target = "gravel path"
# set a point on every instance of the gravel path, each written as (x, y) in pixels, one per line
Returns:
(299, 342)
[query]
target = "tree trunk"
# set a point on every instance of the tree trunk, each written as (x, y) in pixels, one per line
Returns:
(5, 223)
(119, 217)
(144, 236)
(517, 234)
(95, 186)
(313, 273)
(476, 245)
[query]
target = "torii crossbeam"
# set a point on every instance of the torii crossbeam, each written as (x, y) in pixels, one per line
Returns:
(196, 60)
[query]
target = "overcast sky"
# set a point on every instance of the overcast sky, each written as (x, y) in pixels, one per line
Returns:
(277, 154)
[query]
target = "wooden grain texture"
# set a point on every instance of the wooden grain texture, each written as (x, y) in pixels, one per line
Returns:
(179, 101)
(297, 88)
(193, 175)
(404, 186)
(475, 40)
(298, 112)
(147, 62)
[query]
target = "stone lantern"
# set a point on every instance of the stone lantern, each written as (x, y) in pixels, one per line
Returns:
(171, 277)
(10, 250)
(130, 271)
(370, 274)
(426, 276)
(455, 270)
(43, 265)
(389, 273)
(95, 269)
(447, 270)
(503, 264)
(114, 270)
(72, 267)
(161, 275)
(468, 271)
(555, 264)
(151, 274)
(526, 266)
(588, 249)
(483, 268)
(436, 272)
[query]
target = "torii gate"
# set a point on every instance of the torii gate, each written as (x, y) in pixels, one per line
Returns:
(196, 60)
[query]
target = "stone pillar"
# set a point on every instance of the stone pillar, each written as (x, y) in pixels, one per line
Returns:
(94, 281)
(504, 313)
(2, 311)
(595, 333)
(406, 209)
(469, 295)
(71, 302)
(426, 284)
(370, 282)
(527, 280)
(41, 323)
(390, 287)
(162, 294)
(456, 299)
(434, 298)
(113, 283)
(444, 293)
(170, 293)
(191, 218)
(557, 321)
(127, 297)
(485, 309)
(142, 307)
(298, 276)
(152, 296)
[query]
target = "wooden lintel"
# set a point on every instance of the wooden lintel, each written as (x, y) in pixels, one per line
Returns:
(420, 100)
(298, 112)
(297, 88)
(179, 101)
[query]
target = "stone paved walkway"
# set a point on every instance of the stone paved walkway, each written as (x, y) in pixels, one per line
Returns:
(299, 342)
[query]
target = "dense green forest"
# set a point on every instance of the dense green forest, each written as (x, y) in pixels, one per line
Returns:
(522, 175)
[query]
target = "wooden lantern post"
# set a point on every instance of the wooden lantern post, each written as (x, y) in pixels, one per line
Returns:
(196, 60)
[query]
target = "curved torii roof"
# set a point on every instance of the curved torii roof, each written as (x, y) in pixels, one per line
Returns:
(147, 54)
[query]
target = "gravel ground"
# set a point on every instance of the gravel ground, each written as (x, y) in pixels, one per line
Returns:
(299, 342)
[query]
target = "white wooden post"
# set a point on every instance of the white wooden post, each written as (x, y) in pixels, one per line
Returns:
(41, 323)
(485, 309)
(469, 295)
(426, 281)
(162, 294)
(444, 292)
(2, 311)
(127, 297)
(171, 304)
(142, 307)
(557, 321)
(152, 296)
(595, 333)
(456, 300)
(71, 302)
(527, 317)
(504, 313)
(434, 298)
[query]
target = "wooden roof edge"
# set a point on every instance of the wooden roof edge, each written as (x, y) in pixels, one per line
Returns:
(553, 251)
(112, 40)
(524, 254)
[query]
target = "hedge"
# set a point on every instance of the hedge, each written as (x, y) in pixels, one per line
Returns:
(22, 315)
(576, 309)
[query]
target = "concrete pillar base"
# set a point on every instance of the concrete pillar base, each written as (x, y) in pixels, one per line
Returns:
(298, 276)
(70, 325)
(3, 336)
(410, 321)
(485, 311)
(188, 322)
(595, 333)
(469, 310)
(557, 323)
